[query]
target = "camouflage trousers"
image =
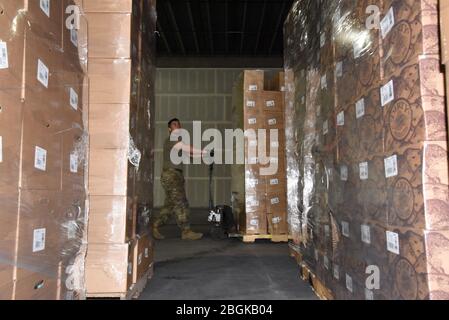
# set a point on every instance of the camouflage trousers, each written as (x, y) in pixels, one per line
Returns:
(175, 200)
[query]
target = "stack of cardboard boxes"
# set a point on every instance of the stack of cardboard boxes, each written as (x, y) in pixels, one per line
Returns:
(121, 71)
(259, 194)
(42, 150)
(368, 132)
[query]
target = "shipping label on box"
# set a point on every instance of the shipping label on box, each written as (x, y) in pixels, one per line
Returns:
(391, 166)
(4, 64)
(387, 93)
(344, 173)
(363, 171)
(366, 234)
(387, 23)
(43, 73)
(336, 272)
(40, 159)
(39, 240)
(349, 285)
(45, 7)
(73, 99)
(345, 229)
(341, 119)
(360, 108)
(73, 163)
(393, 242)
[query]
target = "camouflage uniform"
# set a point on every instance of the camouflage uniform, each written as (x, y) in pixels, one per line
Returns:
(175, 199)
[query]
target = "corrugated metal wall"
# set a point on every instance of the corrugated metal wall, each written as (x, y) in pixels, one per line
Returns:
(195, 95)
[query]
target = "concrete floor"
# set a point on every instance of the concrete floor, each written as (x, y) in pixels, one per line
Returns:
(223, 270)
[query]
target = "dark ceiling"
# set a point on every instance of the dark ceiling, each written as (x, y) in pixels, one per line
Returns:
(193, 28)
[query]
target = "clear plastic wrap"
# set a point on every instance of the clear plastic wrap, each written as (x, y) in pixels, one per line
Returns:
(43, 152)
(364, 107)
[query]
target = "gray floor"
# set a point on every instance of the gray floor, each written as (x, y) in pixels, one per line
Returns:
(223, 270)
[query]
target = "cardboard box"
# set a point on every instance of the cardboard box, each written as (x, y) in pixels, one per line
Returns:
(31, 285)
(107, 79)
(104, 6)
(271, 101)
(45, 19)
(143, 257)
(111, 219)
(109, 35)
(109, 268)
(74, 156)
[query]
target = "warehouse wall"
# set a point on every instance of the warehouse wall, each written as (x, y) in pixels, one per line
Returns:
(195, 95)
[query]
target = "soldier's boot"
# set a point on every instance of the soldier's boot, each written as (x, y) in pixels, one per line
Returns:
(156, 234)
(188, 234)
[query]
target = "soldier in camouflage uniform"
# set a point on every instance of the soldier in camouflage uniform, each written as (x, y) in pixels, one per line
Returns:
(173, 182)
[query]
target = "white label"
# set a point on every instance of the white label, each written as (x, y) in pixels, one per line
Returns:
(344, 173)
(252, 87)
(276, 220)
(339, 69)
(130, 268)
(139, 259)
(326, 262)
(1, 149)
(323, 39)
(73, 99)
(303, 100)
(387, 23)
(274, 201)
(341, 119)
(147, 253)
(272, 122)
(73, 163)
(250, 103)
(336, 272)
(4, 64)
(393, 242)
(391, 166)
(252, 121)
(366, 234)
(254, 222)
(360, 108)
(39, 240)
(45, 6)
(274, 181)
(387, 93)
(325, 127)
(40, 159)
(74, 37)
(323, 82)
(270, 104)
(363, 171)
(349, 283)
(345, 229)
(42, 73)
(369, 295)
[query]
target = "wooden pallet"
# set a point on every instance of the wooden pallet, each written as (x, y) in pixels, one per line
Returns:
(251, 238)
(133, 293)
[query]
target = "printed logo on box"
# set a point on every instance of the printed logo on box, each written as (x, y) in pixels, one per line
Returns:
(252, 121)
(73, 163)
(341, 119)
(393, 242)
(339, 69)
(253, 87)
(39, 240)
(363, 170)
(336, 272)
(42, 73)
(73, 99)
(345, 229)
(45, 7)
(270, 104)
(74, 37)
(274, 200)
(366, 234)
(40, 159)
(387, 93)
(250, 103)
(391, 166)
(4, 63)
(344, 173)
(387, 23)
(360, 108)
(349, 283)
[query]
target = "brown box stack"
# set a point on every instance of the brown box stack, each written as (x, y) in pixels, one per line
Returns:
(42, 151)
(261, 196)
(369, 119)
(121, 71)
